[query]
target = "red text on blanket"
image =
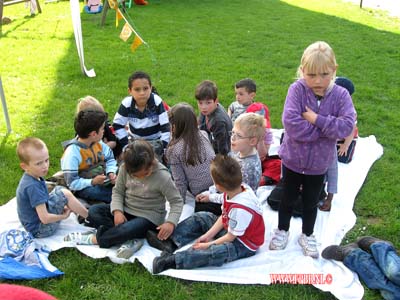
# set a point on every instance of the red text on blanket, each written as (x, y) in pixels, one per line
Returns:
(93, 5)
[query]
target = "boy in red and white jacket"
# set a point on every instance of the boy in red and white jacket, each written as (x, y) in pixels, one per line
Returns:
(237, 233)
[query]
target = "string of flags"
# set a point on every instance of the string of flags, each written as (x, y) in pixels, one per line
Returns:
(127, 30)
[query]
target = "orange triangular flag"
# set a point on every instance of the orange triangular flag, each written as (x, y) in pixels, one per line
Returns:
(136, 43)
(118, 16)
(113, 4)
(126, 32)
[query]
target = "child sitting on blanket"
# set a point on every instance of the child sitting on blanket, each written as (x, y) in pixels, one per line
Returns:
(138, 203)
(145, 114)
(245, 91)
(236, 234)
(248, 130)
(343, 147)
(88, 163)
(38, 211)
(89, 102)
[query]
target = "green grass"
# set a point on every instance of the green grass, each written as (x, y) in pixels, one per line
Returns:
(190, 41)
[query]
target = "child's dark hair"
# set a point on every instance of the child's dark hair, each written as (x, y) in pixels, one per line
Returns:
(206, 90)
(138, 155)
(248, 84)
(138, 75)
(226, 172)
(346, 83)
(87, 121)
(183, 119)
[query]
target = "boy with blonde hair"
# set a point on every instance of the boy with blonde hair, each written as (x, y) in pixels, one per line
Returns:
(248, 130)
(38, 211)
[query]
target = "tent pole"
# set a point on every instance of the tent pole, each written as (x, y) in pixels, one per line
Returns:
(3, 102)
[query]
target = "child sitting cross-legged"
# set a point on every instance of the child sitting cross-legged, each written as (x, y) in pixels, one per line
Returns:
(40, 212)
(138, 204)
(236, 234)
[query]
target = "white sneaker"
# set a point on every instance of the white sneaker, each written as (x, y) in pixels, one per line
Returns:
(280, 240)
(129, 248)
(309, 245)
(80, 238)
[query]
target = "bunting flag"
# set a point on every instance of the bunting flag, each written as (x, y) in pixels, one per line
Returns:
(126, 32)
(118, 17)
(113, 4)
(137, 41)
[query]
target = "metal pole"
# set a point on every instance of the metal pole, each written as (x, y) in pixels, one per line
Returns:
(3, 102)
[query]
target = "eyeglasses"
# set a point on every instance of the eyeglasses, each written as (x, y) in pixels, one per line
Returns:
(236, 136)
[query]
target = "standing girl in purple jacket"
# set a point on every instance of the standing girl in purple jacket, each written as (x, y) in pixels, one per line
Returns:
(317, 112)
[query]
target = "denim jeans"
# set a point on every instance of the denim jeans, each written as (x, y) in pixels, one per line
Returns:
(108, 234)
(215, 255)
(379, 270)
(55, 205)
(96, 192)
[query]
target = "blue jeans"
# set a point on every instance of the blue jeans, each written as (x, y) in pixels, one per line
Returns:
(108, 234)
(215, 255)
(55, 205)
(379, 270)
(96, 192)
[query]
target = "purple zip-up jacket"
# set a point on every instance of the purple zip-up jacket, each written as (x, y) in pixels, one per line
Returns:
(307, 148)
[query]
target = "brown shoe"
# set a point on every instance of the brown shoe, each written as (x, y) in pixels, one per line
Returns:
(365, 242)
(338, 252)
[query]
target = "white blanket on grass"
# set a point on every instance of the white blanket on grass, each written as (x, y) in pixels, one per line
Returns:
(330, 228)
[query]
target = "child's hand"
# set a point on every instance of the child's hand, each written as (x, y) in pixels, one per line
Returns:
(66, 212)
(119, 217)
(343, 149)
(165, 230)
(310, 115)
(203, 197)
(203, 239)
(99, 179)
(112, 177)
(201, 246)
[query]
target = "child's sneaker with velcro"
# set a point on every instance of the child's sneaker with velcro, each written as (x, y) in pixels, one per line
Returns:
(309, 245)
(279, 240)
(80, 238)
(129, 248)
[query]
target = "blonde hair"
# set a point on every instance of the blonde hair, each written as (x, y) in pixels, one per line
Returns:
(318, 58)
(89, 103)
(253, 124)
(24, 147)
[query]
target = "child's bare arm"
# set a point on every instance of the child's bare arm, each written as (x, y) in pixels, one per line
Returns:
(203, 242)
(347, 141)
(228, 237)
(47, 218)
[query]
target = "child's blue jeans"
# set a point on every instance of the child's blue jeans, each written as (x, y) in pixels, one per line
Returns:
(96, 192)
(215, 255)
(381, 270)
(55, 205)
(108, 234)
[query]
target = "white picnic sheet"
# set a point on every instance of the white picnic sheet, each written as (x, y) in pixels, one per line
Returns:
(330, 228)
